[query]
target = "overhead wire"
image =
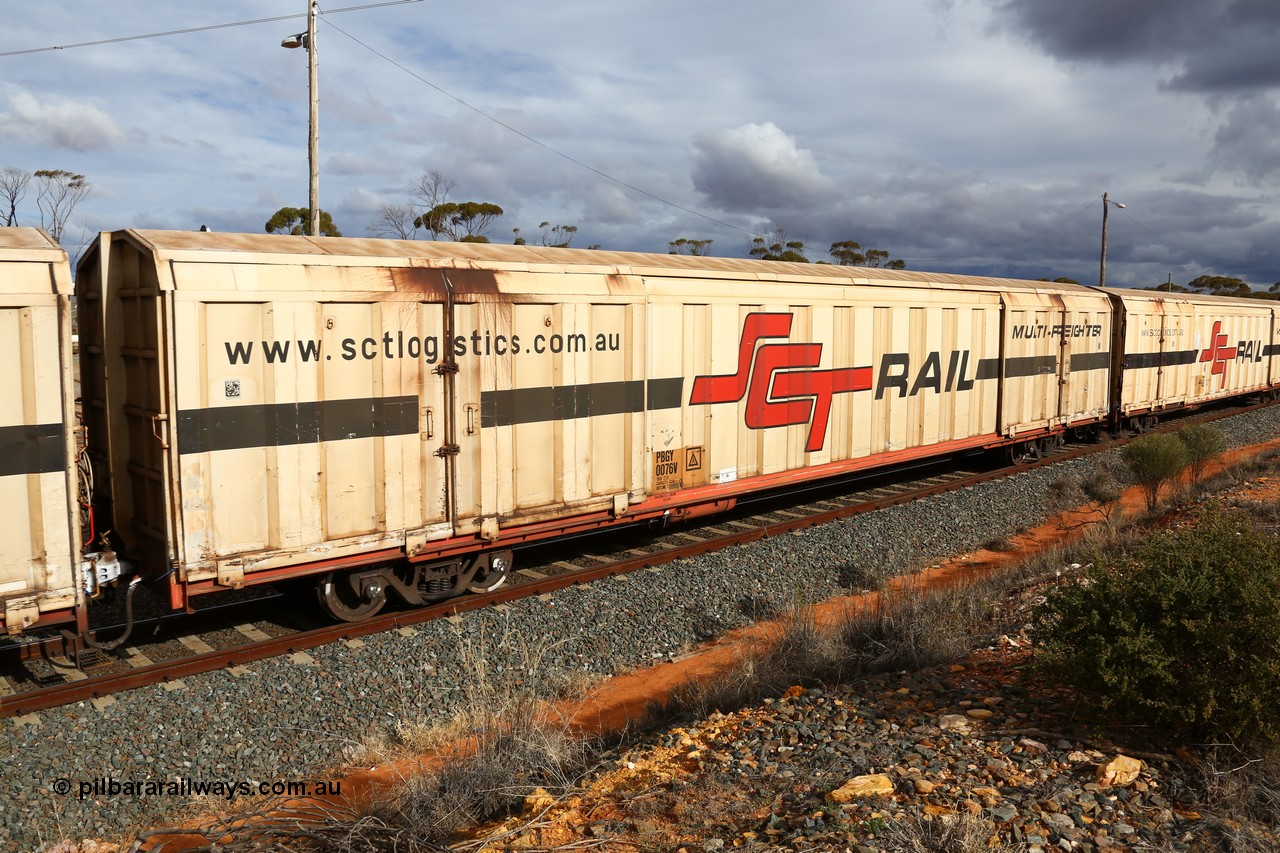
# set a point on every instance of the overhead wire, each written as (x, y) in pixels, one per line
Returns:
(1172, 245)
(1033, 237)
(187, 30)
(384, 57)
(535, 140)
(540, 143)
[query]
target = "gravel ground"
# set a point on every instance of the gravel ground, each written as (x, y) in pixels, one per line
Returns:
(953, 757)
(280, 721)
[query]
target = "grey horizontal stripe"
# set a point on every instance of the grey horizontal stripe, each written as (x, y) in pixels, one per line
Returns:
(666, 393)
(558, 403)
(284, 424)
(1029, 365)
(1271, 349)
(32, 449)
(1141, 360)
(567, 402)
(1090, 361)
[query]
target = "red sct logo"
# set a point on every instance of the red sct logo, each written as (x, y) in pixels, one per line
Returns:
(1218, 352)
(779, 382)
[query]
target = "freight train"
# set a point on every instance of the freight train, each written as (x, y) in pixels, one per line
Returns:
(387, 420)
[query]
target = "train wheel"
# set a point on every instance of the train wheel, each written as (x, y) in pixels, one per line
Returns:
(493, 575)
(1020, 453)
(351, 596)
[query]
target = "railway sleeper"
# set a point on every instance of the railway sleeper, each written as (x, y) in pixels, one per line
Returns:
(354, 595)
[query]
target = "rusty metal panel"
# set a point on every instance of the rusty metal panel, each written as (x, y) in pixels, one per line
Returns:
(320, 405)
(298, 399)
(39, 527)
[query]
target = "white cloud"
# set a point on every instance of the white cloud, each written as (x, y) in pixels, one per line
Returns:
(756, 167)
(59, 122)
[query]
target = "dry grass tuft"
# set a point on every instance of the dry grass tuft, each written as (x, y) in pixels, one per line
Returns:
(954, 833)
(913, 628)
(796, 652)
(498, 748)
(1237, 789)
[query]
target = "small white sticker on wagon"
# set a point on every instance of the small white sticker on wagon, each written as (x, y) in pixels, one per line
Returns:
(725, 475)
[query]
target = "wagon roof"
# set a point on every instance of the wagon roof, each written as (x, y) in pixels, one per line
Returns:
(1193, 298)
(33, 247)
(217, 247)
(28, 244)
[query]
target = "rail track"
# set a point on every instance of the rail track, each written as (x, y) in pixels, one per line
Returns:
(58, 671)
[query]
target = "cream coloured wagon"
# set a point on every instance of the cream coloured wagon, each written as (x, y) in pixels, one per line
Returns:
(392, 417)
(39, 520)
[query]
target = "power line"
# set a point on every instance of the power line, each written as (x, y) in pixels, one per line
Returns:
(538, 142)
(255, 21)
(1173, 245)
(1048, 230)
(188, 30)
(543, 145)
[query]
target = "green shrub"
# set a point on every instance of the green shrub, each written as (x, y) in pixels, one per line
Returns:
(1154, 460)
(1184, 634)
(1203, 442)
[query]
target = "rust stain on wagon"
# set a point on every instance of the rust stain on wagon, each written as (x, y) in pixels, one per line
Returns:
(431, 281)
(619, 285)
(426, 280)
(473, 281)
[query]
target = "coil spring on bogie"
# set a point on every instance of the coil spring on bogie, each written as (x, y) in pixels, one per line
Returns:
(436, 586)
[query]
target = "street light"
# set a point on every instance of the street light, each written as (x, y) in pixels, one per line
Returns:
(308, 40)
(1102, 265)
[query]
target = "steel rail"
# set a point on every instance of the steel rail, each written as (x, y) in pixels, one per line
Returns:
(98, 686)
(93, 687)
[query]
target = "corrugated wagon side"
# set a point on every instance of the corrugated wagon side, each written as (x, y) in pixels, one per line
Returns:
(796, 378)
(795, 372)
(39, 524)
(387, 417)
(1185, 350)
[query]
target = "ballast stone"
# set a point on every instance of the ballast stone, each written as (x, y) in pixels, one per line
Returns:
(872, 785)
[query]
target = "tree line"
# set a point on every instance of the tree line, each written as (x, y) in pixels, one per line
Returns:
(430, 211)
(1219, 285)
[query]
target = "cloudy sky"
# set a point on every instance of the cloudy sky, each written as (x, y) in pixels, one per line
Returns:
(960, 135)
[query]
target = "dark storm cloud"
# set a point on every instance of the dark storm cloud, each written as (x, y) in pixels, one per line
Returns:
(1214, 46)
(1249, 139)
(937, 219)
